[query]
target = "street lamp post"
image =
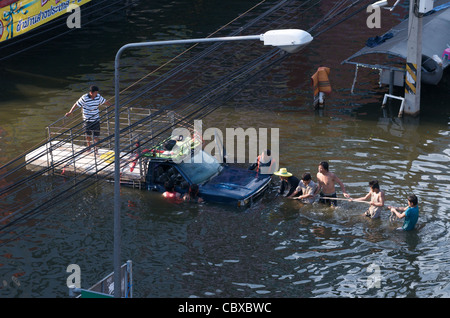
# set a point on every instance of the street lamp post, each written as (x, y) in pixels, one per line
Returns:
(290, 40)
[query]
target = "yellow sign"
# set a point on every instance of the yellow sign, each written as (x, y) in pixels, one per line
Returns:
(20, 16)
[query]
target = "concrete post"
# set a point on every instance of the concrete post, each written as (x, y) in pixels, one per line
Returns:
(413, 61)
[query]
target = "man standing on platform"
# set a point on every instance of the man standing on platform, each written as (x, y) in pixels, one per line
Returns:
(90, 104)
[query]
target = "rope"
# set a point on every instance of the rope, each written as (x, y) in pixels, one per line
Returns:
(202, 104)
(47, 203)
(137, 95)
(342, 199)
(5, 190)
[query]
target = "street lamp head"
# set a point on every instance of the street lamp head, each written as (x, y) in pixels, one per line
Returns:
(380, 4)
(290, 40)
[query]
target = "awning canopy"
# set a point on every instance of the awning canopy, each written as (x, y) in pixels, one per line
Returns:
(435, 38)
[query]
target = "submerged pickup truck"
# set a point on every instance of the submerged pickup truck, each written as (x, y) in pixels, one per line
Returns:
(218, 182)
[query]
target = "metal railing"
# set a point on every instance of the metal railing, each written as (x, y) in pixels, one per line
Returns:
(70, 132)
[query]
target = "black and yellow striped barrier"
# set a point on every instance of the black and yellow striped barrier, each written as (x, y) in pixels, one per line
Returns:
(411, 78)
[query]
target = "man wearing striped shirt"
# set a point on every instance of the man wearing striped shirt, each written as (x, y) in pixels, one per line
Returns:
(90, 104)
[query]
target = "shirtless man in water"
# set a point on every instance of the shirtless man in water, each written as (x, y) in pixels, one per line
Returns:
(327, 181)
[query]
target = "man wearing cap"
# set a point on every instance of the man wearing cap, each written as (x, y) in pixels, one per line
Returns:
(288, 182)
(90, 104)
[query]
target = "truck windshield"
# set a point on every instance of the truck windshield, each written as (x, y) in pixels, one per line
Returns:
(201, 167)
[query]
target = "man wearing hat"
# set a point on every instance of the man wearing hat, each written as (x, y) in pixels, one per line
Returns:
(288, 182)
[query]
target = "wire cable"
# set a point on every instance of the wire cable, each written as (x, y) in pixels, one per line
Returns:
(197, 104)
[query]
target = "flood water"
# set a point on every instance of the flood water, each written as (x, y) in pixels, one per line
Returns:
(277, 247)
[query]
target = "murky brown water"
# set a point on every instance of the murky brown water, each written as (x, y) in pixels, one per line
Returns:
(276, 248)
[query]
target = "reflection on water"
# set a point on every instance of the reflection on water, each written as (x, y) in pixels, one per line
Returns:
(277, 247)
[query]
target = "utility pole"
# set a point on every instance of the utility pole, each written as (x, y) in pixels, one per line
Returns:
(413, 60)
(417, 8)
